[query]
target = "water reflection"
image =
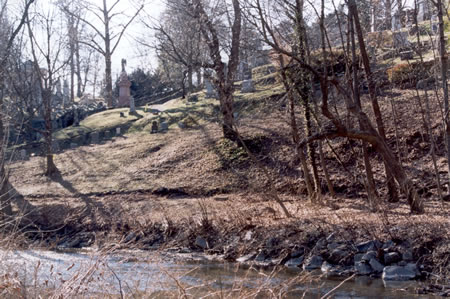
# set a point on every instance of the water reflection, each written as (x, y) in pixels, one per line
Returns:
(160, 276)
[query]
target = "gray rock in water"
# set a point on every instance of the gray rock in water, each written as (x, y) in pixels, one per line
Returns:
(363, 268)
(201, 242)
(376, 266)
(338, 254)
(295, 262)
(246, 258)
(399, 273)
(312, 263)
(331, 270)
(392, 257)
(368, 256)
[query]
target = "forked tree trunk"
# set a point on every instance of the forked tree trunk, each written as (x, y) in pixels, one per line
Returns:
(370, 181)
(302, 85)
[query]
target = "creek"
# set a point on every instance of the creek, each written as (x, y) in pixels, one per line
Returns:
(161, 275)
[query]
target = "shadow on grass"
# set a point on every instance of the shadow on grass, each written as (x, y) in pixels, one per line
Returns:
(90, 204)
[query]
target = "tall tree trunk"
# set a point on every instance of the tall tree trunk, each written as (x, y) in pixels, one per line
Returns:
(51, 167)
(444, 69)
(5, 203)
(226, 107)
(302, 84)
(392, 189)
(107, 54)
(370, 181)
(78, 67)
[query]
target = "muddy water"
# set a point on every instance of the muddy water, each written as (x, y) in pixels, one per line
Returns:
(163, 275)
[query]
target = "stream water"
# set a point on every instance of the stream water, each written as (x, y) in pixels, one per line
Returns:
(163, 275)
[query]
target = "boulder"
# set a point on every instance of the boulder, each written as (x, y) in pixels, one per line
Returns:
(363, 268)
(368, 246)
(376, 265)
(400, 273)
(313, 263)
(294, 262)
(338, 254)
(358, 257)
(201, 243)
(392, 257)
(368, 256)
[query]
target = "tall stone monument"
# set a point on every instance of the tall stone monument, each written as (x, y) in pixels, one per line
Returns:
(124, 87)
(66, 93)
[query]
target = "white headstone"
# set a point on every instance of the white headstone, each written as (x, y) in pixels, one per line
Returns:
(117, 131)
(210, 92)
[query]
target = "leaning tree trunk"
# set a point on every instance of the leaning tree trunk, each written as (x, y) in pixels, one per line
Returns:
(392, 189)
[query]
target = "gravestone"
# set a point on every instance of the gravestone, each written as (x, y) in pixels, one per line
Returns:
(106, 134)
(95, 137)
(73, 145)
(124, 87)
(247, 86)
(117, 131)
(154, 127)
(210, 92)
(132, 106)
(23, 154)
(164, 126)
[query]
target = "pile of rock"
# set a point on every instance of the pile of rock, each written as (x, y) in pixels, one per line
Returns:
(393, 262)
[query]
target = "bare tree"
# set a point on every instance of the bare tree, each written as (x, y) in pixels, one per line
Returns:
(335, 127)
(106, 41)
(47, 45)
(224, 77)
(7, 41)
